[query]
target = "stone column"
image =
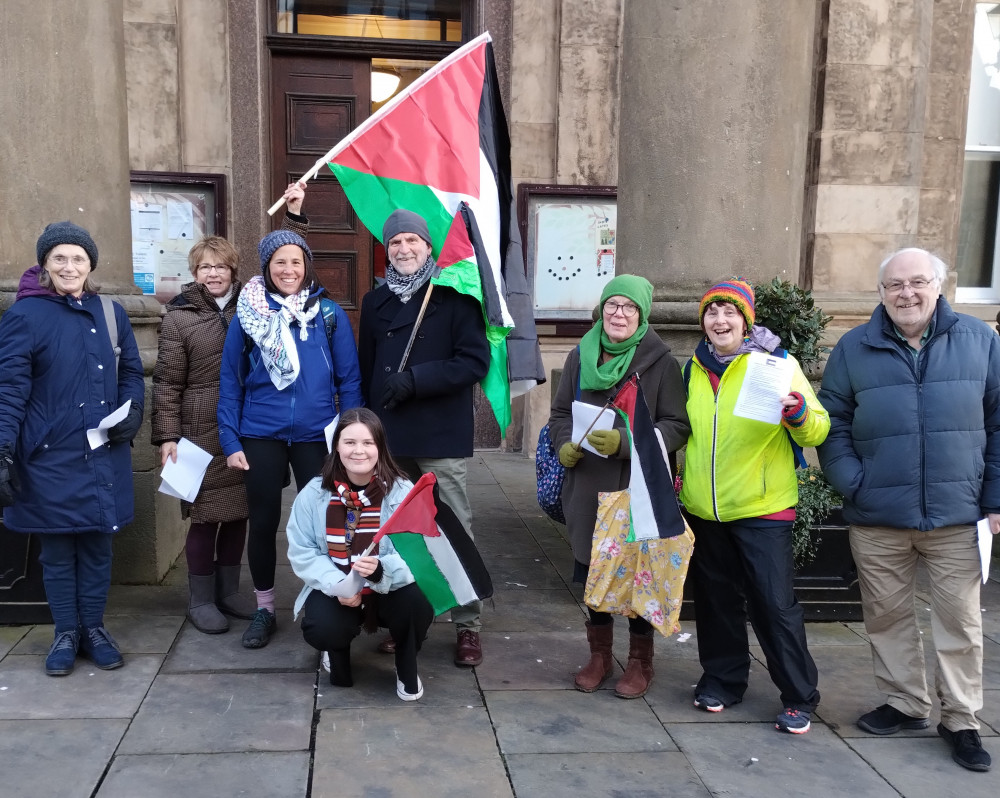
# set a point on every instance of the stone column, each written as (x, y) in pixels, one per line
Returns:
(715, 115)
(65, 136)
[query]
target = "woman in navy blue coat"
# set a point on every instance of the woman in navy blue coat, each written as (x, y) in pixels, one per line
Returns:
(287, 368)
(59, 379)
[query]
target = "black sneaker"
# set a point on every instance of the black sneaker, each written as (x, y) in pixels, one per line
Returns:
(258, 633)
(889, 720)
(793, 721)
(966, 748)
(708, 703)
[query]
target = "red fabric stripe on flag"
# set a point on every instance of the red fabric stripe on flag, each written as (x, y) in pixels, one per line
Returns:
(416, 513)
(457, 246)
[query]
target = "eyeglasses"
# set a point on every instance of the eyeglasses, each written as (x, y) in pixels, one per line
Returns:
(76, 260)
(917, 284)
(628, 309)
(208, 268)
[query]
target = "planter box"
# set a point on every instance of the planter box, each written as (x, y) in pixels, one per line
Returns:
(22, 593)
(827, 588)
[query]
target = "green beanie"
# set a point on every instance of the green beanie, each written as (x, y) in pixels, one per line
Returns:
(633, 287)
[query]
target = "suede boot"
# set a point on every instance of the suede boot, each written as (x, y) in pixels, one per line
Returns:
(202, 611)
(593, 674)
(227, 593)
(639, 669)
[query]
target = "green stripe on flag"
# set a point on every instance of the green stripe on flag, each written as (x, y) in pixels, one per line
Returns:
(432, 583)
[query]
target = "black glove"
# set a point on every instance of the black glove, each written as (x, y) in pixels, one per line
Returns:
(398, 388)
(9, 483)
(128, 428)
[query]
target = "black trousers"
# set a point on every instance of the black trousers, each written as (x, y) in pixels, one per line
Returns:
(269, 461)
(735, 568)
(328, 625)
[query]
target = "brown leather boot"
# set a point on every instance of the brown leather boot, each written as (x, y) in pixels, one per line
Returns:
(593, 674)
(639, 669)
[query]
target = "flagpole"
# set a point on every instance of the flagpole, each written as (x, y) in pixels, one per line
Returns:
(416, 326)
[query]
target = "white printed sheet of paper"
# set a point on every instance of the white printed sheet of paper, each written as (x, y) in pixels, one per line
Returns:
(349, 585)
(183, 478)
(985, 537)
(583, 417)
(767, 380)
(99, 435)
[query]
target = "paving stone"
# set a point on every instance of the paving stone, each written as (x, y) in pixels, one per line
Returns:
(10, 636)
(519, 573)
(753, 760)
(922, 767)
(568, 721)
(221, 713)
(63, 758)
(530, 610)
(496, 544)
(207, 775)
(539, 660)
(407, 751)
(196, 651)
(168, 598)
(27, 693)
(640, 775)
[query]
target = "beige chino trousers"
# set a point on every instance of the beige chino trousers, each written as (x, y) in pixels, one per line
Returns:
(887, 559)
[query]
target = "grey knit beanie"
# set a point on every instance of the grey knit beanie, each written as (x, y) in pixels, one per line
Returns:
(272, 242)
(404, 222)
(65, 233)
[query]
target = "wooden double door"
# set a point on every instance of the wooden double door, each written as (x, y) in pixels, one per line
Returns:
(316, 100)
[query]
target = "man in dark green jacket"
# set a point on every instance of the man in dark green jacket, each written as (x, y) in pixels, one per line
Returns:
(914, 447)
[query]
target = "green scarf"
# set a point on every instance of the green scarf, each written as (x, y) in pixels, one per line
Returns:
(597, 376)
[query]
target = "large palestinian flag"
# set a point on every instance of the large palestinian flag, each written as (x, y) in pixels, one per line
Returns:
(441, 149)
(443, 559)
(653, 504)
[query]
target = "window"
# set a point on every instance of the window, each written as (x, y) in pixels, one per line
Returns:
(418, 20)
(978, 244)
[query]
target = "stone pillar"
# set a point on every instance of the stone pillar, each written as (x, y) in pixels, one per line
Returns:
(63, 103)
(715, 115)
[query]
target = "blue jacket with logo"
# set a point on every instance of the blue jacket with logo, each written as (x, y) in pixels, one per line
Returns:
(250, 406)
(914, 443)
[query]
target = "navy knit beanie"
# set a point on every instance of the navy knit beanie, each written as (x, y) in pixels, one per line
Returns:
(404, 222)
(65, 233)
(272, 242)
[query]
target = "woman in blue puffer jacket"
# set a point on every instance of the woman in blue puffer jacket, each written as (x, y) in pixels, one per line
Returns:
(288, 367)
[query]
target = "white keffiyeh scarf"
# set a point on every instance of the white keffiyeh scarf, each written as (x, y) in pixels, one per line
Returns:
(270, 329)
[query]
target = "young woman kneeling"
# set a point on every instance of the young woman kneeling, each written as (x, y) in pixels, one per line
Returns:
(333, 520)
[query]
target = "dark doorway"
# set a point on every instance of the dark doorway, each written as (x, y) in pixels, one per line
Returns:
(316, 100)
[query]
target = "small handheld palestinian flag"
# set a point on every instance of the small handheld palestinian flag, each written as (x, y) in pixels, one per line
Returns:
(443, 559)
(653, 506)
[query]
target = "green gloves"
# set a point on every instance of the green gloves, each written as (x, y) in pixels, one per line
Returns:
(569, 455)
(606, 441)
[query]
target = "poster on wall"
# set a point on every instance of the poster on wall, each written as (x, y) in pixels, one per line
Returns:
(571, 235)
(170, 212)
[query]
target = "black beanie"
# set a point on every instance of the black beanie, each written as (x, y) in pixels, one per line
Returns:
(65, 233)
(404, 222)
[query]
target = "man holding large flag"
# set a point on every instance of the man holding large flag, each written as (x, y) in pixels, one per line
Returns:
(422, 348)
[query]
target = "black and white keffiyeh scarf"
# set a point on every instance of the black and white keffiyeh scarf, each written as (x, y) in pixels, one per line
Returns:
(406, 285)
(270, 328)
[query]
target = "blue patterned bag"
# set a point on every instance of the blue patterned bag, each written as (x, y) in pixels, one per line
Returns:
(550, 474)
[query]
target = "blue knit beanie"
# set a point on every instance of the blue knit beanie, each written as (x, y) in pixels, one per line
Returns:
(65, 233)
(272, 242)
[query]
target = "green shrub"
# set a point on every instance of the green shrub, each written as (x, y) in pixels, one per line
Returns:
(817, 498)
(788, 311)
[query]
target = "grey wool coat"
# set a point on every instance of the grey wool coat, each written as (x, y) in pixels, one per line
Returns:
(186, 395)
(663, 388)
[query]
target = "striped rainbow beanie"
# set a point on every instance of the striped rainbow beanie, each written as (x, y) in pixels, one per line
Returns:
(735, 291)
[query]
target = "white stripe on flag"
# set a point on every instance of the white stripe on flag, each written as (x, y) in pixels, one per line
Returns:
(643, 521)
(445, 558)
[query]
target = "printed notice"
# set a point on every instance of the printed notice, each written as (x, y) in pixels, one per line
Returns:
(768, 379)
(584, 422)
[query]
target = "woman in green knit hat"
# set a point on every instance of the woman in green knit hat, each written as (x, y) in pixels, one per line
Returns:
(619, 345)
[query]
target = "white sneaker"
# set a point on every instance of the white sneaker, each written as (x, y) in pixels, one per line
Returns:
(325, 661)
(405, 696)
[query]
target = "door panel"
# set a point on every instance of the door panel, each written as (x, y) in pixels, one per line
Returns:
(316, 100)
